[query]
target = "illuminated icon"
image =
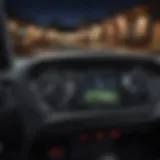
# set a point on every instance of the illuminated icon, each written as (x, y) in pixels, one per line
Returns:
(56, 152)
(83, 137)
(114, 134)
(100, 136)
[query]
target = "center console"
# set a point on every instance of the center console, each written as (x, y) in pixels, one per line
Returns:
(99, 144)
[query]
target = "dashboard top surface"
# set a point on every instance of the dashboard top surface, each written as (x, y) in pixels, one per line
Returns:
(84, 55)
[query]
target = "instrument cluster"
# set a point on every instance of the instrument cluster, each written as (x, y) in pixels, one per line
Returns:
(111, 88)
(57, 88)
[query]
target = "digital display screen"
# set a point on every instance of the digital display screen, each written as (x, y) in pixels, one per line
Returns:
(101, 96)
(102, 90)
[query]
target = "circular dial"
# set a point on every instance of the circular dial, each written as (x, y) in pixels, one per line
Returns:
(135, 81)
(135, 85)
(56, 88)
(48, 86)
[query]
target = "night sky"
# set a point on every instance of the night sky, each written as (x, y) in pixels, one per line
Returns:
(68, 12)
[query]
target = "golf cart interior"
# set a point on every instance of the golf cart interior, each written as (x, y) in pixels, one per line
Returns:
(90, 104)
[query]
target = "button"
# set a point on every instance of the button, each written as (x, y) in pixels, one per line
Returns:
(56, 153)
(100, 136)
(83, 137)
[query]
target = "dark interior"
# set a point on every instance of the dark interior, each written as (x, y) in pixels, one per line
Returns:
(90, 105)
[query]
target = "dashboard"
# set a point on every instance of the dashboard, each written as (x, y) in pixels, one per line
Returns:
(95, 85)
(87, 107)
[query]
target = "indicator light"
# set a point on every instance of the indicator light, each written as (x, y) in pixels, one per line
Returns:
(100, 136)
(114, 134)
(56, 152)
(83, 137)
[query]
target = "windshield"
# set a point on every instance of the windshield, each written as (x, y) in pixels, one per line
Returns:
(45, 26)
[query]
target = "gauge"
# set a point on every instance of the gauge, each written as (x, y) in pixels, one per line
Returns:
(135, 85)
(48, 86)
(57, 88)
(135, 81)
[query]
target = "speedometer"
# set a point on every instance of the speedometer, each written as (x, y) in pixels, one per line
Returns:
(48, 86)
(56, 88)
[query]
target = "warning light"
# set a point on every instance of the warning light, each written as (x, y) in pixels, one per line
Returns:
(100, 136)
(56, 152)
(114, 134)
(83, 137)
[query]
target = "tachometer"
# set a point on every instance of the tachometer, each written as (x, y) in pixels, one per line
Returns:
(135, 85)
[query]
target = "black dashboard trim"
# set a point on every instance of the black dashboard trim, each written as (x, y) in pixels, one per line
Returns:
(45, 118)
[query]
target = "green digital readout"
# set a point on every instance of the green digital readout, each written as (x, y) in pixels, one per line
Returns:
(101, 96)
